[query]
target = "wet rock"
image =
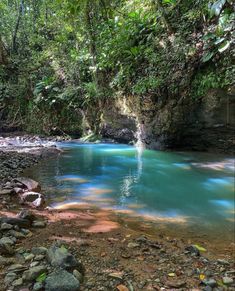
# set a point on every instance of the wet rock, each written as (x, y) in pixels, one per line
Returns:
(6, 226)
(31, 274)
(28, 183)
(227, 280)
(61, 280)
(60, 257)
(33, 199)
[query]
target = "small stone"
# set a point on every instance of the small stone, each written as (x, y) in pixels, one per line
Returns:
(39, 250)
(210, 282)
(227, 280)
(78, 275)
(6, 191)
(6, 241)
(17, 282)
(116, 275)
(33, 273)
(38, 286)
(16, 234)
(16, 268)
(39, 224)
(223, 262)
(29, 257)
(34, 264)
(39, 257)
(6, 226)
(132, 245)
(9, 278)
(175, 283)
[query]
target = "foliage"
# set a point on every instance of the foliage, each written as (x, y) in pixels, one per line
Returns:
(68, 57)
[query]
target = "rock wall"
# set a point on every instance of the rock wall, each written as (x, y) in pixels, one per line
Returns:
(207, 123)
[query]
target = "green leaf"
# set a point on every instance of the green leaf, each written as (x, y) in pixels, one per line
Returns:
(224, 46)
(200, 248)
(207, 56)
(41, 278)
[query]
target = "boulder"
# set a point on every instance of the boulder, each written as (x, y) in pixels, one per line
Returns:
(28, 183)
(61, 258)
(61, 280)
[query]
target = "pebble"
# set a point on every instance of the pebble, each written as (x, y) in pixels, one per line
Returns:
(17, 282)
(29, 257)
(78, 275)
(6, 226)
(39, 224)
(223, 262)
(227, 280)
(210, 282)
(132, 245)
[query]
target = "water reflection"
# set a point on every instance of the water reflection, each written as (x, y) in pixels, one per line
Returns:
(163, 186)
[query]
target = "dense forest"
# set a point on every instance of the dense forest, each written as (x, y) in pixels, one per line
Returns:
(158, 70)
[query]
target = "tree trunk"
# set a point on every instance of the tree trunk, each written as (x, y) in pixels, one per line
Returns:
(14, 44)
(3, 53)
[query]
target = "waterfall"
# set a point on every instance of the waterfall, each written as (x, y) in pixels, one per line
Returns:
(140, 135)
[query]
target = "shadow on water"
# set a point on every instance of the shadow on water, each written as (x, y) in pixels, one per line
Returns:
(180, 188)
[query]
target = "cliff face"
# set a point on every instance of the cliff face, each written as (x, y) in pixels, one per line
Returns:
(206, 124)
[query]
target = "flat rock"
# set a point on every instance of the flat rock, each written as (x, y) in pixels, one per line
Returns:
(61, 280)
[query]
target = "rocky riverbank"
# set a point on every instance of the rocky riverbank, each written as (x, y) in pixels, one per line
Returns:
(91, 249)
